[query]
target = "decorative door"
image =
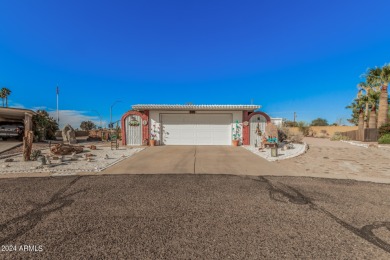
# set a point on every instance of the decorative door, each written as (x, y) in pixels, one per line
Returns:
(133, 130)
(257, 129)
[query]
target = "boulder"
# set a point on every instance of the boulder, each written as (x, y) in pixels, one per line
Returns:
(66, 149)
(69, 135)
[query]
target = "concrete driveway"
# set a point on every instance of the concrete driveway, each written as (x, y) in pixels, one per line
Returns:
(8, 145)
(197, 160)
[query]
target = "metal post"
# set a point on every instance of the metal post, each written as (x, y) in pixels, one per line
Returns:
(58, 113)
(110, 126)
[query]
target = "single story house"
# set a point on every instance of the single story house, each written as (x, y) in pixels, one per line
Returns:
(192, 124)
(278, 121)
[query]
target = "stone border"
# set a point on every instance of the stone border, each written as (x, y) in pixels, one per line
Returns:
(356, 144)
(301, 151)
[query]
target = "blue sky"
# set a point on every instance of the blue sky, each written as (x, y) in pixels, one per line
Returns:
(302, 56)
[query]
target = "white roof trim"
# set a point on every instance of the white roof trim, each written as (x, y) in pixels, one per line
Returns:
(195, 107)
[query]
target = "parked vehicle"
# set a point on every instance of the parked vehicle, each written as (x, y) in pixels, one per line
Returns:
(11, 130)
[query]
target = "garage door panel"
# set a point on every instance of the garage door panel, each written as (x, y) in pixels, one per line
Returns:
(196, 129)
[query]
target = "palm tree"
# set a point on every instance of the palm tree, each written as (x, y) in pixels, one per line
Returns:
(381, 76)
(373, 98)
(2, 95)
(366, 94)
(5, 92)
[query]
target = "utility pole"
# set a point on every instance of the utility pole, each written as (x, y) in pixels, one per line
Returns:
(295, 116)
(58, 113)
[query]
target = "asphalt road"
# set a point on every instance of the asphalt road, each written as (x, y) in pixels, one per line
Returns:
(193, 217)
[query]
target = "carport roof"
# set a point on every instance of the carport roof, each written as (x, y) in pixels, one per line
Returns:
(10, 114)
(195, 107)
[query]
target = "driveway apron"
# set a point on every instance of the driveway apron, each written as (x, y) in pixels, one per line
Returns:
(196, 160)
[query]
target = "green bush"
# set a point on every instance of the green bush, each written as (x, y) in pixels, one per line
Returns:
(385, 129)
(384, 139)
(35, 154)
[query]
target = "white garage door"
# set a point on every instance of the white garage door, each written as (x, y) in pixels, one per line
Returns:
(196, 129)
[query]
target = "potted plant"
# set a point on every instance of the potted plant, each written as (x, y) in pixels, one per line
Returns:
(154, 131)
(236, 134)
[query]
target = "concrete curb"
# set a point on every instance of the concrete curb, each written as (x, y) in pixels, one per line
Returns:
(301, 151)
(354, 143)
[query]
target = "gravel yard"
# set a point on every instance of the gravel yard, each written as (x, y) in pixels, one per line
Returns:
(282, 155)
(100, 159)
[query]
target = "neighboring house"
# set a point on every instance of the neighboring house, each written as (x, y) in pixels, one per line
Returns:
(191, 124)
(277, 121)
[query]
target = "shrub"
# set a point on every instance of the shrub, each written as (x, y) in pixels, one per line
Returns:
(296, 138)
(338, 137)
(384, 139)
(304, 130)
(385, 129)
(35, 154)
(283, 134)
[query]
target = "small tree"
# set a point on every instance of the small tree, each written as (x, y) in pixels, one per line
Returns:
(319, 122)
(87, 125)
(303, 128)
(288, 123)
(42, 121)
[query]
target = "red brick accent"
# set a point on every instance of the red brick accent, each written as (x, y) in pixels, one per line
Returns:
(246, 116)
(145, 128)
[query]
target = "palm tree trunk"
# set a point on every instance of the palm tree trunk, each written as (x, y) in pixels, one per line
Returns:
(383, 106)
(3, 101)
(6, 101)
(366, 116)
(360, 135)
(372, 120)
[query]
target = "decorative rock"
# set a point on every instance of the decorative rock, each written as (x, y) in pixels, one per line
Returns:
(42, 160)
(66, 149)
(5, 166)
(92, 147)
(69, 135)
(48, 161)
(55, 158)
(9, 160)
(106, 157)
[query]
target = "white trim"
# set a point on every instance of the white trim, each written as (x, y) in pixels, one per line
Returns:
(195, 107)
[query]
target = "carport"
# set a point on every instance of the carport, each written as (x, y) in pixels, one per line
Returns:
(17, 115)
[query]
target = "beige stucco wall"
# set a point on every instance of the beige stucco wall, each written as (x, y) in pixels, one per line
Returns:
(324, 131)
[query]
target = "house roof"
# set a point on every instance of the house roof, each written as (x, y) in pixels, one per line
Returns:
(195, 107)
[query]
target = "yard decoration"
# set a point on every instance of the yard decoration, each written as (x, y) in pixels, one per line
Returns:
(134, 121)
(66, 149)
(153, 134)
(236, 130)
(69, 135)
